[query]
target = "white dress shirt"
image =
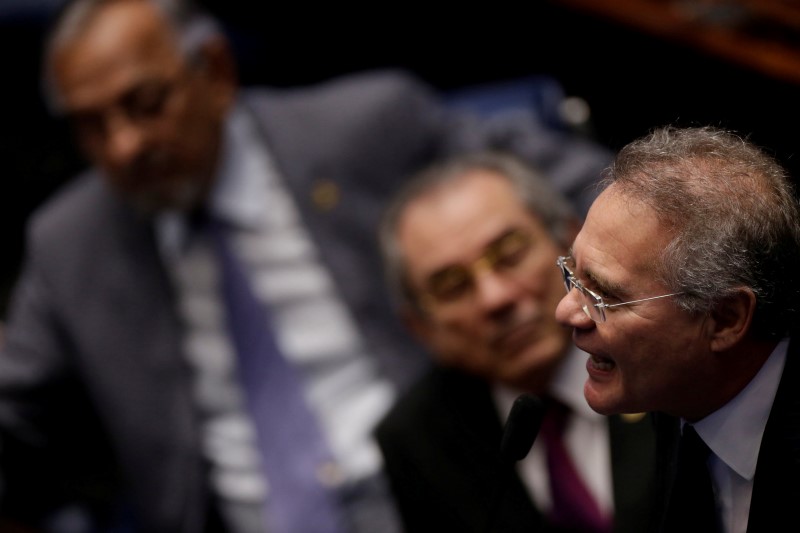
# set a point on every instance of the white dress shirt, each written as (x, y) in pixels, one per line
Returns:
(586, 438)
(733, 433)
(314, 330)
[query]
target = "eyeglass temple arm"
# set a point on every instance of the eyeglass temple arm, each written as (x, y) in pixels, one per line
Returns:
(606, 306)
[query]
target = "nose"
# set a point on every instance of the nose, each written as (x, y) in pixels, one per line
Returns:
(569, 312)
(495, 292)
(124, 140)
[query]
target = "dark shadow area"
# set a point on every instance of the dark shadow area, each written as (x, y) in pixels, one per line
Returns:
(632, 80)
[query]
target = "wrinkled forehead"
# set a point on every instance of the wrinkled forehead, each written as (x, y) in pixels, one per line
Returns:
(620, 233)
(455, 222)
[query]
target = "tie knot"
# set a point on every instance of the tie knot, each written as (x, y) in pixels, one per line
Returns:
(203, 222)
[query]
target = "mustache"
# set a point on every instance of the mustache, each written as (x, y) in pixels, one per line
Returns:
(513, 327)
(144, 163)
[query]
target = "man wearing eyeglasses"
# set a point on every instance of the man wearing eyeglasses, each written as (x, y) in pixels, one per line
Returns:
(682, 286)
(469, 247)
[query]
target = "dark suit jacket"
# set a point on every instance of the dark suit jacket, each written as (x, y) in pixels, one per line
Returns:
(441, 444)
(776, 493)
(94, 386)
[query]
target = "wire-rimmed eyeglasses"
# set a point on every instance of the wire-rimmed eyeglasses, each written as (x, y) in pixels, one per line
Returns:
(591, 302)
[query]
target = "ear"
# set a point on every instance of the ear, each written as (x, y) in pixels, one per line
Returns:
(731, 319)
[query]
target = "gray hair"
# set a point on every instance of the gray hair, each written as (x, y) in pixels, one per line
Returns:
(534, 191)
(734, 214)
(193, 28)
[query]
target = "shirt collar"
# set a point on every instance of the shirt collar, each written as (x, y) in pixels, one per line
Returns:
(734, 431)
(239, 187)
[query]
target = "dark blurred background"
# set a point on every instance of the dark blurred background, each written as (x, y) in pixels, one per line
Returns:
(637, 63)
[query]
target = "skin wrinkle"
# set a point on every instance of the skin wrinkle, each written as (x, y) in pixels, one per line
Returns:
(596, 269)
(628, 229)
(702, 213)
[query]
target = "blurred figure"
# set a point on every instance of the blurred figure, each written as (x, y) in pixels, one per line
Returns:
(127, 374)
(469, 247)
(682, 286)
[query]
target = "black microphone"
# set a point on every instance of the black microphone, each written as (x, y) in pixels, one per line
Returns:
(521, 428)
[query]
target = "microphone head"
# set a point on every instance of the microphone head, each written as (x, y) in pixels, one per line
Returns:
(521, 427)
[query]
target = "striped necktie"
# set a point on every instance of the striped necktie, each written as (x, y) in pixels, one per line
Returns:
(292, 446)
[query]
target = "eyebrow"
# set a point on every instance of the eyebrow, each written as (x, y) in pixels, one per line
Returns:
(597, 282)
(602, 285)
(123, 99)
(494, 242)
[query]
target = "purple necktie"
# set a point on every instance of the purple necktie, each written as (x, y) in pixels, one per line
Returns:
(574, 508)
(291, 444)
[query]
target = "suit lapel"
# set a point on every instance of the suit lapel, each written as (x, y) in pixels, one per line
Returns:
(473, 433)
(774, 499)
(139, 374)
(773, 502)
(310, 162)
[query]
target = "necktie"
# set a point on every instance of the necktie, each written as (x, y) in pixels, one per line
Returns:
(291, 444)
(692, 505)
(574, 508)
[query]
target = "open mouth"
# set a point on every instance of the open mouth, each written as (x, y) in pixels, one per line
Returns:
(596, 362)
(603, 364)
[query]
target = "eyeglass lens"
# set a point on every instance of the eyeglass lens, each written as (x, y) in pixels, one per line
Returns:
(592, 305)
(505, 255)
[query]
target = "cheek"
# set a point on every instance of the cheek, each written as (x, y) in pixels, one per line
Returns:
(655, 358)
(664, 341)
(547, 286)
(459, 343)
(635, 347)
(193, 128)
(192, 133)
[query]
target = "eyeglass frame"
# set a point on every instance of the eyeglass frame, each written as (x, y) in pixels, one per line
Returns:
(490, 260)
(571, 281)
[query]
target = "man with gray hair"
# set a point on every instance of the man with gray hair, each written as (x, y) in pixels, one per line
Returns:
(682, 286)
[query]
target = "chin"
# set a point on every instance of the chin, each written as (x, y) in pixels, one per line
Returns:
(600, 400)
